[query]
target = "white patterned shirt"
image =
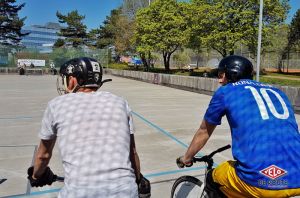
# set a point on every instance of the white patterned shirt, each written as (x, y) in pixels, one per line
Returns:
(93, 135)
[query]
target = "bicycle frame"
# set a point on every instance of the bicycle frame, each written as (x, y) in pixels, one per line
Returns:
(208, 159)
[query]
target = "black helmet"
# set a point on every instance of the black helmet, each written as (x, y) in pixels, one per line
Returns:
(236, 68)
(87, 71)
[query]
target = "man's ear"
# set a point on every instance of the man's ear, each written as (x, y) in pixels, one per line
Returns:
(72, 83)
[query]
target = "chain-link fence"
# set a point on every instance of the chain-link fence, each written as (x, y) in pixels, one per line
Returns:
(14, 56)
(272, 60)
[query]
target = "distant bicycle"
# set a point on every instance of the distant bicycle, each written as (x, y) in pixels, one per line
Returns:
(21, 71)
(191, 187)
(53, 71)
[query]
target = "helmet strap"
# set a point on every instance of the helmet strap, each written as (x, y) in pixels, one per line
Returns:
(75, 89)
(67, 90)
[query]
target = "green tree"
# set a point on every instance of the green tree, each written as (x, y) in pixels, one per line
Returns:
(10, 23)
(222, 24)
(181, 58)
(161, 27)
(75, 32)
(59, 43)
(294, 32)
(279, 43)
(123, 35)
(293, 37)
(106, 33)
(195, 13)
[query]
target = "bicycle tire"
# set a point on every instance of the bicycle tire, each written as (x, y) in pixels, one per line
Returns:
(187, 186)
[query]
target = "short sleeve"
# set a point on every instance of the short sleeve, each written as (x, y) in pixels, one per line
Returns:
(216, 108)
(130, 119)
(48, 130)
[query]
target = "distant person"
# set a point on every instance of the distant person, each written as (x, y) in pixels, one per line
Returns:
(95, 135)
(264, 132)
(190, 68)
(53, 69)
(31, 65)
(21, 69)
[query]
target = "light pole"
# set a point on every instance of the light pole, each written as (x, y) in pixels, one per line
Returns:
(259, 39)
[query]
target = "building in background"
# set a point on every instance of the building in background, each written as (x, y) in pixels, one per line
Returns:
(41, 37)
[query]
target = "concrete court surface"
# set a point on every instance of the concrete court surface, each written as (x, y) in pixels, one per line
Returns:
(165, 120)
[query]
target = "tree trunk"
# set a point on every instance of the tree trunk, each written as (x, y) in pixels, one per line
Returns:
(149, 60)
(144, 60)
(167, 57)
(288, 61)
(166, 61)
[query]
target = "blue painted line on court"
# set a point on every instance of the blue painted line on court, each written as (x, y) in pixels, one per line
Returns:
(146, 175)
(37, 193)
(174, 171)
(46, 191)
(165, 133)
(160, 129)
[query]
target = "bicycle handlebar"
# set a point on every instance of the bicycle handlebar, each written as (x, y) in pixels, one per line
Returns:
(106, 80)
(207, 158)
(58, 178)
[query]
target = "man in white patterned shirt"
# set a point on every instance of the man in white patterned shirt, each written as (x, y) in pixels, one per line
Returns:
(94, 132)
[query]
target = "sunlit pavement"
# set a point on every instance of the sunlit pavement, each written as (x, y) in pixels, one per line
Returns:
(165, 120)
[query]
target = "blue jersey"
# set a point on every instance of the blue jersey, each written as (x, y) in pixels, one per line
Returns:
(265, 134)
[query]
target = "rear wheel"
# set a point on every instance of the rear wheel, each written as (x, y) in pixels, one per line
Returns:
(187, 187)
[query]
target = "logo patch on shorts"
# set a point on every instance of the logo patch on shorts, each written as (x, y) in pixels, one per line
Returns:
(273, 172)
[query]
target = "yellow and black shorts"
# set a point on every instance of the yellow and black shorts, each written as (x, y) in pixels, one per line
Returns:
(232, 186)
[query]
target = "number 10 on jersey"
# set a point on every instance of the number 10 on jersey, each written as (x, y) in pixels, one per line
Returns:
(262, 97)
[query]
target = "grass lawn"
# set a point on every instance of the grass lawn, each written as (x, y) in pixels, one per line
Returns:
(289, 75)
(280, 81)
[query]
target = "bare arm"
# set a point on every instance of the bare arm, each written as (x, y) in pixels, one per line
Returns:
(134, 158)
(199, 140)
(43, 157)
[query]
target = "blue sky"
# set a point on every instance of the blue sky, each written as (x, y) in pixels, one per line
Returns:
(295, 5)
(42, 11)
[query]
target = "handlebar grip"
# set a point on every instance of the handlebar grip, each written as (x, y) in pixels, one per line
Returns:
(224, 148)
(189, 165)
(179, 163)
(58, 178)
(106, 80)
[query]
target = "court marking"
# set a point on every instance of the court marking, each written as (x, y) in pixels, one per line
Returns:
(160, 129)
(168, 134)
(173, 172)
(54, 190)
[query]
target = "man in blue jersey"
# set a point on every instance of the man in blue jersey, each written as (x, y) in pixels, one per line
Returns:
(264, 131)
